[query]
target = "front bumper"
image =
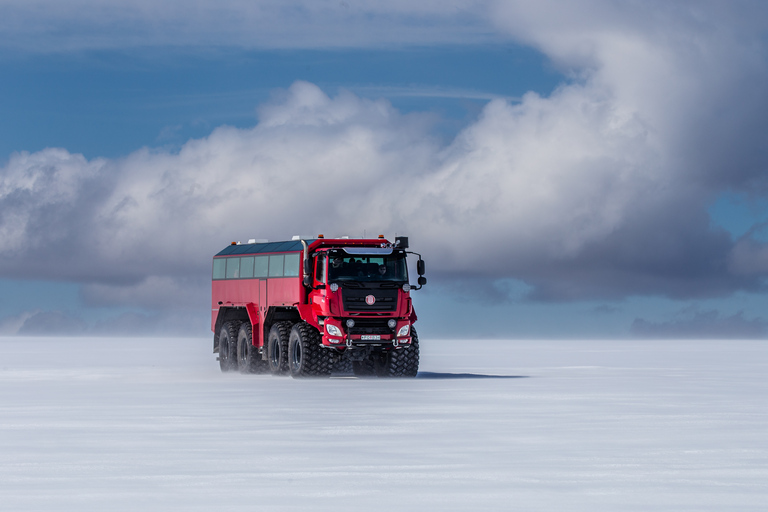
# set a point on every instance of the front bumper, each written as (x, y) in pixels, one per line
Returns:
(331, 337)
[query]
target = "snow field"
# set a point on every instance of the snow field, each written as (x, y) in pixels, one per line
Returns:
(151, 424)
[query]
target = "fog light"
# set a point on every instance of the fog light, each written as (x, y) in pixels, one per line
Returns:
(406, 287)
(350, 323)
(334, 287)
(392, 323)
(333, 330)
(404, 330)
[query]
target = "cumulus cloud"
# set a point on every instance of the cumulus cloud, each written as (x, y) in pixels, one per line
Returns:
(598, 191)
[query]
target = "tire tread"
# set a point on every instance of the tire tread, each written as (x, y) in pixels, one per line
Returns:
(316, 361)
(251, 361)
(228, 341)
(404, 362)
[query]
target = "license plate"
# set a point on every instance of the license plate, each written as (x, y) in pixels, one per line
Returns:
(370, 337)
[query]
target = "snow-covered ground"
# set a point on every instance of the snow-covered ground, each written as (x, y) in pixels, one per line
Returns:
(151, 424)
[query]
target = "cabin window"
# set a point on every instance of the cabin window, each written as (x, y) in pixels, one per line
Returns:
(246, 267)
(219, 268)
(233, 268)
(276, 265)
(291, 265)
(261, 266)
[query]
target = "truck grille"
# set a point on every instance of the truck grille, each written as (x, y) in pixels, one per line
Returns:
(370, 326)
(354, 299)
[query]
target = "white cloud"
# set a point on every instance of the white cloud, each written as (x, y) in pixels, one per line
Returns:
(50, 180)
(547, 176)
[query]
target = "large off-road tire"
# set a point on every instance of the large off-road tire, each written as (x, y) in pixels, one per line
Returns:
(277, 348)
(306, 355)
(248, 358)
(228, 345)
(404, 362)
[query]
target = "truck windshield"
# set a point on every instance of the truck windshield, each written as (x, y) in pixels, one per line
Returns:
(361, 267)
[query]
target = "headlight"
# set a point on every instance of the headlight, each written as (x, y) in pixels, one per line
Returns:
(334, 287)
(406, 287)
(404, 330)
(333, 330)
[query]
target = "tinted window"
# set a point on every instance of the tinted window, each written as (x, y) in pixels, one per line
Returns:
(276, 266)
(291, 265)
(219, 264)
(320, 269)
(261, 266)
(347, 267)
(246, 266)
(233, 268)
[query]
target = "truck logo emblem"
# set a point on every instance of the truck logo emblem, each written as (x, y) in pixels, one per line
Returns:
(370, 299)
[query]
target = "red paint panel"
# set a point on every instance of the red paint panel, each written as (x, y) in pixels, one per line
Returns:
(284, 291)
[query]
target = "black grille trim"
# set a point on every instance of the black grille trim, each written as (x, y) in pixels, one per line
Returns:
(370, 326)
(354, 299)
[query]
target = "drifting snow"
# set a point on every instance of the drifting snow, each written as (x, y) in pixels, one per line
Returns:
(151, 424)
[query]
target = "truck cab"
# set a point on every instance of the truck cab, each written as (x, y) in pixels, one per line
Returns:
(361, 295)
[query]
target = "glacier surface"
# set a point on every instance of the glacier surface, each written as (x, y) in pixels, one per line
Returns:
(151, 424)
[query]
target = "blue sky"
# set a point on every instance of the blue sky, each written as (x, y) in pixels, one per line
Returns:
(585, 169)
(123, 100)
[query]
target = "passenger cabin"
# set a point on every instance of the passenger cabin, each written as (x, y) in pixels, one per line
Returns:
(264, 274)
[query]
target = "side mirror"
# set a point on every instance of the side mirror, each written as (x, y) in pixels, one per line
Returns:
(422, 280)
(307, 266)
(307, 281)
(420, 267)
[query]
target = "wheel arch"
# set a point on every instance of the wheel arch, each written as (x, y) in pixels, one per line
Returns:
(225, 315)
(279, 314)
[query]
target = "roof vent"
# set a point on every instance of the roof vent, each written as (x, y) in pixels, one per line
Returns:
(251, 240)
(296, 237)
